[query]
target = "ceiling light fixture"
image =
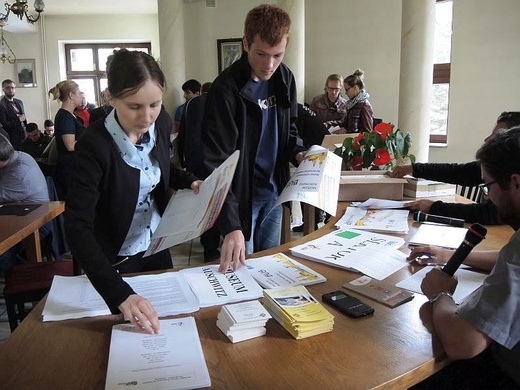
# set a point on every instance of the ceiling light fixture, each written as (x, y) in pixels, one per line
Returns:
(20, 8)
(6, 53)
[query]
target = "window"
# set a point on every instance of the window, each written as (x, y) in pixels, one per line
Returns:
(441, 72)
(86, 65)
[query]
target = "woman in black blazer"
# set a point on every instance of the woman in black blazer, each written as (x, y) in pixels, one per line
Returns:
(122, 176)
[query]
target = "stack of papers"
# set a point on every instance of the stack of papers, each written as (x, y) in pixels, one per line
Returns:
(243, 321)
(215, 288)
(298, 312)
(172, 359)
(438, 235)
(279, 270)
(379, 221)
(372, 254)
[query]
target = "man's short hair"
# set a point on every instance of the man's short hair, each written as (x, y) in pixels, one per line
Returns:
(334, 77)
(48, 123)
(270, 22)
(6, 149)
(510, 118)
(191, 85)
(499, 156)
(31, 127)
(6, 82)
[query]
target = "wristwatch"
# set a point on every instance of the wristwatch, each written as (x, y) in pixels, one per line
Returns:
(437, 296)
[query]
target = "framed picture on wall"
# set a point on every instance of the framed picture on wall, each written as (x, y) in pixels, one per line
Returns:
(229, 50)
(25, 73)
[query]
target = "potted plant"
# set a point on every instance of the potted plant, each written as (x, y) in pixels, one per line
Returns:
(380, 149)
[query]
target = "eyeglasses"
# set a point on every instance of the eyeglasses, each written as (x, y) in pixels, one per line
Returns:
(334, 89)
(485, 187)
(346, 89)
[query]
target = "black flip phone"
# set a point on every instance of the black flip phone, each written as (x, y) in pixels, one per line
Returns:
(347, 304)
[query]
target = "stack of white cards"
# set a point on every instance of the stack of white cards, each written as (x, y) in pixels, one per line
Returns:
(243, 321)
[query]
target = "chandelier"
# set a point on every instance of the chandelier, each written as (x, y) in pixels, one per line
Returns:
(20, 8)
(6, 53)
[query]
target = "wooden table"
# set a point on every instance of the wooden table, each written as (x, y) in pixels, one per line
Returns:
(393, 349)
(14, 229)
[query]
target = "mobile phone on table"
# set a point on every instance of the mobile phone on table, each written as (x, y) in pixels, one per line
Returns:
(347, 304)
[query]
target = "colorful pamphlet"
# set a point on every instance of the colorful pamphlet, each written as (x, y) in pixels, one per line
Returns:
(379, 221)
(279, 270)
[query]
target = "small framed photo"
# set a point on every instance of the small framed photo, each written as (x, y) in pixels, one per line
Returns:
(25, 73)
(229, 50)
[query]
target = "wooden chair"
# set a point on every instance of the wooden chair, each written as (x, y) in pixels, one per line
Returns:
(28, 283)
(472, 193)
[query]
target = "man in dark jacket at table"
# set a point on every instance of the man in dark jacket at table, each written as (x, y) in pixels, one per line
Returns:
(251, 107)
(467, 174)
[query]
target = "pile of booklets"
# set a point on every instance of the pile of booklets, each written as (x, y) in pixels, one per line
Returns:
(297, 311)
(243, 321)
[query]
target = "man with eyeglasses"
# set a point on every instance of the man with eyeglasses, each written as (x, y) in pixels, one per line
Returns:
(330, 107)
(482, 335)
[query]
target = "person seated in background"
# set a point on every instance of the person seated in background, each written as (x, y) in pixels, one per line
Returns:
(84, 109)
(467, 174)
(191, 88)
(330, 107)
(21, 180)
(359, 110)
(36, 141)
(482, 335)
(103, 110)
(205, 87)
(48, 127)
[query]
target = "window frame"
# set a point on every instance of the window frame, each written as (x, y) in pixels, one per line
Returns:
(96, 75)
(441, 75)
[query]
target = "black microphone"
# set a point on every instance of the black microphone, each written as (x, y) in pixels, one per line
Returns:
(474, 235)
(419, 216)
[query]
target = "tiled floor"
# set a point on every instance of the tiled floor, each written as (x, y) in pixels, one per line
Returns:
(189, 253)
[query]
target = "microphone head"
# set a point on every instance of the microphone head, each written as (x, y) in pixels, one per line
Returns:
(418, 217)
(475, 234)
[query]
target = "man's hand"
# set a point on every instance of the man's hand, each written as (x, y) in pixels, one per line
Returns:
(141, 314)
(195, 186)
(437, 281)
(430, 254)
(233, 250)
(400, 171)
(299, 157)
(422, 205)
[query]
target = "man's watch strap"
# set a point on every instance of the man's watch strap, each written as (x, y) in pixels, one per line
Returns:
(436, 297)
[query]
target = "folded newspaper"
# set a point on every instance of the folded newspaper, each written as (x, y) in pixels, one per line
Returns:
(187, 215)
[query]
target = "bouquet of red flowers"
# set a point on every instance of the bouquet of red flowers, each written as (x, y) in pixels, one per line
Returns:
(379, 149)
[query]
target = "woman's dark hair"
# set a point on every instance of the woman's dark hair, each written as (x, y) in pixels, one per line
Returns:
(128, 70)
(355, 78)
(499, 156)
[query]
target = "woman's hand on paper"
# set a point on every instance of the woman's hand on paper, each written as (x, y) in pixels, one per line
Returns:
(422, 205)
(233, 250)
(141, 314)
(430, 255)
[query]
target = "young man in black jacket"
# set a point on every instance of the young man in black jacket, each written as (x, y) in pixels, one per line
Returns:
(467, 174)
(251, 107)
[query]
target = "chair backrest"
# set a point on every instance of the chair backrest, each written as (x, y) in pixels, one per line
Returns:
(473, 193)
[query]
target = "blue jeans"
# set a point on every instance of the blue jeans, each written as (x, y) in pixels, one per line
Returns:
(266, 226)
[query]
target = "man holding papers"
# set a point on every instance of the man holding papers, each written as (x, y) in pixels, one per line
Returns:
(251, 107)
(483, 334)
(122, 176)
